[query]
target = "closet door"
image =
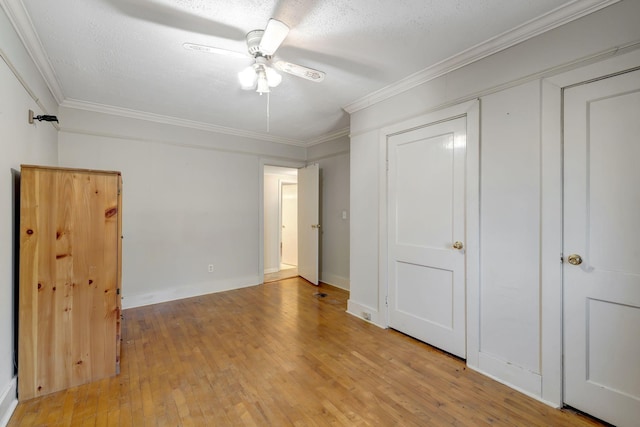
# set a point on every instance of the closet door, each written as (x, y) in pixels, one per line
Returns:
(427, 214)
(69, 299)
(601, 234)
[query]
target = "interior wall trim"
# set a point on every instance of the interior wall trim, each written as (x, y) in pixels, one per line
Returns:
(110, 135)
(24, 27)
(208, 127)
(327, 137)
(174, 121)
(544, 74)
(553, 19)
(8, 401)
(329, 156)
(178, 292)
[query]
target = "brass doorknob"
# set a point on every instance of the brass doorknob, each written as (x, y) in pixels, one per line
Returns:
(574, 259)
(458, 245)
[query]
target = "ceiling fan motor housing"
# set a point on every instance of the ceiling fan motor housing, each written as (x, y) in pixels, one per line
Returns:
(253, 41)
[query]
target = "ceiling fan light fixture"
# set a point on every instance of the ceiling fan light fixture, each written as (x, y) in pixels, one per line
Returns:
(273, 77)
(248, 78)
(263, 84)
(261, 46)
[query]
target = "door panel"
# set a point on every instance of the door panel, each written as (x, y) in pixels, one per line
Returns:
(601, 211)
(424, 212)
(603, 317)
(309, 222)
(425, 291)
(426, 216)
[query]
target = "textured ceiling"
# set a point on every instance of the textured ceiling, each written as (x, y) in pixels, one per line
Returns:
(128, 53)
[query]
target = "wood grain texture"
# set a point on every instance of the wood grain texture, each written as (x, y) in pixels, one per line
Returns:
(278, 355)
(69, 275)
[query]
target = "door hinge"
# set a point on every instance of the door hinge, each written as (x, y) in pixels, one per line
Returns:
(386, 300)
(118, 291)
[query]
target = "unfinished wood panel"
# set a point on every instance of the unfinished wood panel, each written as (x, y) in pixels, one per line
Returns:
(69, 298)
(281, 355)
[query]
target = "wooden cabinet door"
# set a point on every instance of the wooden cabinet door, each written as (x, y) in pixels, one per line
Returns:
(69, 299)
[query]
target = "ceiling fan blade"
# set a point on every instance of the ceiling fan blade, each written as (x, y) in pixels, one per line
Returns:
(216, 50)
(273, 36)
(300, 71)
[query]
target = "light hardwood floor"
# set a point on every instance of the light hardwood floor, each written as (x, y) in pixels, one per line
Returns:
(285, 273)
(279, 355)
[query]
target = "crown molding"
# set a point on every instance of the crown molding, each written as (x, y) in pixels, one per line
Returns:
(24, 27)
(174, 121)
(553, 19)
(327, 137)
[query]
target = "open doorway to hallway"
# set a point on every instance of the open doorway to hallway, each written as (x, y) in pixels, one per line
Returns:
(280, 223)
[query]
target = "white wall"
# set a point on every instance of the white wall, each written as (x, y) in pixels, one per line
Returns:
(509, 85)
(191, 198)
(272, 183)
(364, 239)
(510, 234)
(20, 143)
(333, 158)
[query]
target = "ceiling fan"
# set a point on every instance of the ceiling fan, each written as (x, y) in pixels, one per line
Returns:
(261, 46)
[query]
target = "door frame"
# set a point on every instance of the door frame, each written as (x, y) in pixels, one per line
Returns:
(470, 110)
(551, 211)
(268, 161)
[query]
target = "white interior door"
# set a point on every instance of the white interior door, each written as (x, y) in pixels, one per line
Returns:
(289, 233)
(601, 216)
(426, 180)
(308, 222)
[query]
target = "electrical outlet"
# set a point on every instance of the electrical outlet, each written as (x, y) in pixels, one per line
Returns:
(366, 316)
(210, 268)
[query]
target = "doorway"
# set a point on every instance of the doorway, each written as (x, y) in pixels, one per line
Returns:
(280, 223)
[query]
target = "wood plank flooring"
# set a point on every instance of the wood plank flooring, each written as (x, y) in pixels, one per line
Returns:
(279, 355)
(285, 273)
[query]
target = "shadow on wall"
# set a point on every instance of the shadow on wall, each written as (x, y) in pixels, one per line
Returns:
(15, 227)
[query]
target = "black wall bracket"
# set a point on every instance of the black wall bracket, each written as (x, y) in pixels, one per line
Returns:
(46, 118)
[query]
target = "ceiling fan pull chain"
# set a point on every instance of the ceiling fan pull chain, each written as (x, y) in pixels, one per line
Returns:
(268, 117)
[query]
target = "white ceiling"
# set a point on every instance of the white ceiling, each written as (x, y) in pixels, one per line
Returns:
(128, 54)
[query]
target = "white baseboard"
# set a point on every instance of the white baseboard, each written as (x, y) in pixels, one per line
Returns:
(358, 310)
(271, 270)
(335, 280)
(180, 292)
(516, 377)
(8, 401)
